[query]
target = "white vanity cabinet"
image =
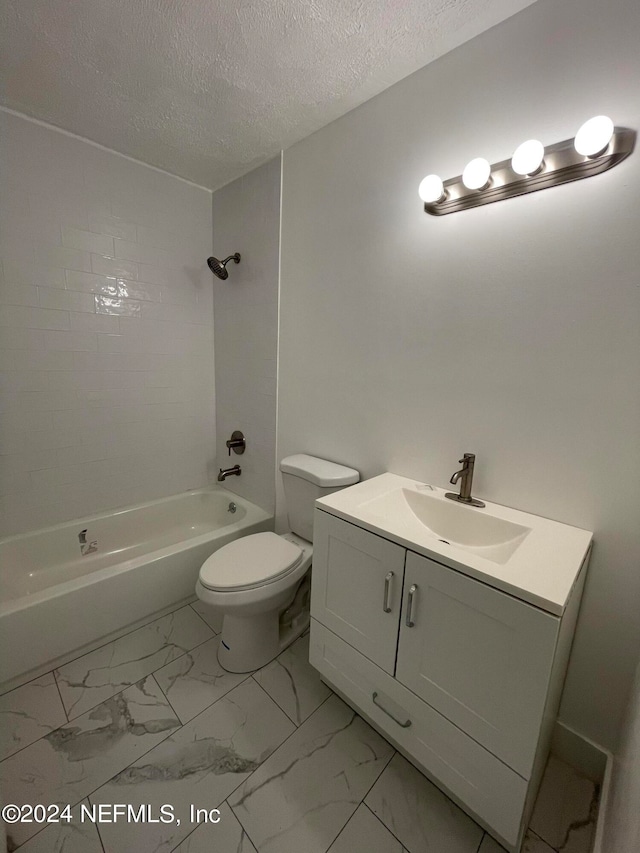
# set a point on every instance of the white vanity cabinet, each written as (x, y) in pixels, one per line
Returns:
(480, 657)
(463, 678)
(358, 592)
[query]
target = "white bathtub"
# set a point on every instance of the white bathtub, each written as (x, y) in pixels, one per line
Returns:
(53, 601)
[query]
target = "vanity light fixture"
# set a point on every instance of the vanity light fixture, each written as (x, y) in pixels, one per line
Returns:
(594, 136)
(431, 189)
(528, 158)
(597, 146)
(477, 174)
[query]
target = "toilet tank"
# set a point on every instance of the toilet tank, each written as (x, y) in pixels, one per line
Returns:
(306, 478)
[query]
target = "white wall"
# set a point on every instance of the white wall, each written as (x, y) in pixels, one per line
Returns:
(510, 330)
(622, 828)
(246, 219)
(106, 330)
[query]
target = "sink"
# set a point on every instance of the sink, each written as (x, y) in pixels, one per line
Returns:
(532, 558)
(454, 524)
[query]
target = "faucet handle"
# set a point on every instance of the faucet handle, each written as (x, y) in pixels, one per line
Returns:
(237, 442)
(467, 457)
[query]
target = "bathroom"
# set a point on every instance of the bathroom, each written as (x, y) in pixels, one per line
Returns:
(355, 328)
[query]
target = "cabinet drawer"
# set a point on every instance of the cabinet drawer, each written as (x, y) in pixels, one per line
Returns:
(488, 787)
(357, 587)
(478, 656)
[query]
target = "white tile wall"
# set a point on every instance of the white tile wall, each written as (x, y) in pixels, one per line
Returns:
(246, 219)
(106, 330)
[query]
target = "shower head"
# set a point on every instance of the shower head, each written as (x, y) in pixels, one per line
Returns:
(219, 268)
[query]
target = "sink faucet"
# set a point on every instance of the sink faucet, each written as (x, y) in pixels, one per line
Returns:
(229, 472)
(465, 475)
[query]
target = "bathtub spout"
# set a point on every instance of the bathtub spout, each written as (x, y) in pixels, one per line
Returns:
(229, 472)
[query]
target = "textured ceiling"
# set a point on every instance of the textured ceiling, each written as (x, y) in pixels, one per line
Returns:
(208, 89)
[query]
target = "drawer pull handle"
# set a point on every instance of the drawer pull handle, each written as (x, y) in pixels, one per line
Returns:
(404, 725)
(387, 592)
(409, 620)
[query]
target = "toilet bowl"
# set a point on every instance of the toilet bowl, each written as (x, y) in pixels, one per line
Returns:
(251, 581)
(260, 583)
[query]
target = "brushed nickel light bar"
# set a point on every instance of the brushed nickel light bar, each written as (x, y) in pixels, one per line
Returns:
(597, 146)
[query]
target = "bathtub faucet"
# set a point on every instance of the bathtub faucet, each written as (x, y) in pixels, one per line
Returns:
(229, 472)
(86, 547)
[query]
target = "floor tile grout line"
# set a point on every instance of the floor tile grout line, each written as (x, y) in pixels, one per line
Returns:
(344, 827)
(184, 654)
(400, 842)
(224, 696)
(75, 719)
(200, 616)
(64, 707)
(273, 699)
(114, 640)
(104, 849)
(64, 710)
(46, 826)
(211, 704)
(280, 745)
(391, 757)
(69, 719)
(290, 736)
(170, 734)
(242, 826)
(164, 693)
(86, 796)
(20, 686)
(379, 819)
(189, 834)
(253, 675)
(540, 838)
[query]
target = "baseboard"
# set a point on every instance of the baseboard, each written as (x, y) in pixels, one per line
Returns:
(605, 791)
(587, 757)
(593, 761)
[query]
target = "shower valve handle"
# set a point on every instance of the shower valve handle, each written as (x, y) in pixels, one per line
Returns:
(236, 443)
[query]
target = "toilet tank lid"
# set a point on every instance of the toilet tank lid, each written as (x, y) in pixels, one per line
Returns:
(321, 472)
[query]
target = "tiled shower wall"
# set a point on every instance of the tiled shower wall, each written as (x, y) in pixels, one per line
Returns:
(106, 330)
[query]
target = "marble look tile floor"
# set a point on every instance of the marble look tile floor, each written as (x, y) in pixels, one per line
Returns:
(152, 718)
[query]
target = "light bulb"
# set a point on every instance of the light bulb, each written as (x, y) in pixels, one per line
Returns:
(528, 158)
(431, 189)
(476, 174)
(594, 136)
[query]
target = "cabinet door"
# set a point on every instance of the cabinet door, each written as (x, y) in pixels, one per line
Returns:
(356, 588)
(454, 761)
(478, 656)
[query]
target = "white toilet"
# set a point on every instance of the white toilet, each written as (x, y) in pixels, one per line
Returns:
(261, 583)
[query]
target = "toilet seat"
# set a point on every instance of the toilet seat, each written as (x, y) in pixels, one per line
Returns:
(250, 562)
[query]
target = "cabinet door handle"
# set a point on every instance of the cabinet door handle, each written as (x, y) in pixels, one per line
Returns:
(404, 725)
(409, 620)
(387, 592)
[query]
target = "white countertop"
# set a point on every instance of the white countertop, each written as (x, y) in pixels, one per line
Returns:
(541, 570)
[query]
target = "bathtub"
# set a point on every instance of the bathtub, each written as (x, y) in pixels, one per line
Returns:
(54, 601)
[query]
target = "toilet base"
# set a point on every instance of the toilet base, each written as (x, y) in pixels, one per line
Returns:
(248, 643)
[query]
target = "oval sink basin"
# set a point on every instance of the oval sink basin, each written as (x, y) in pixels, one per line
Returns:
(462, 524)
(470, 528)
(532, 558)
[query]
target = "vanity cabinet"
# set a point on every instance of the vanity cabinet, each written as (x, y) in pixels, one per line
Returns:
(358, 592)
(480, 657)
(463, 678)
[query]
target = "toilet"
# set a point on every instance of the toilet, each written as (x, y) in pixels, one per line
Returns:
(261, 583)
